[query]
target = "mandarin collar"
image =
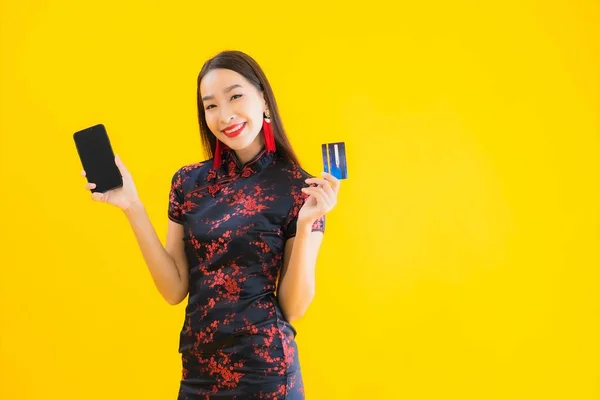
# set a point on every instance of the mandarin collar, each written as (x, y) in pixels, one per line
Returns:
(232, 164)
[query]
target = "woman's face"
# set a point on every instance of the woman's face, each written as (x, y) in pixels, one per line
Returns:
(233, 107)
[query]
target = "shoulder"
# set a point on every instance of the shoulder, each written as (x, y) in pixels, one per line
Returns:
(294, 173)
(290, 181)
(190, 173)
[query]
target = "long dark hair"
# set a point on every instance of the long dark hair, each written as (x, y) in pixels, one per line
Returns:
(246, 66)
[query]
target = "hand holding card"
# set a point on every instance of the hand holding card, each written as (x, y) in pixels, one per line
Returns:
(322, 194)
(322, 198)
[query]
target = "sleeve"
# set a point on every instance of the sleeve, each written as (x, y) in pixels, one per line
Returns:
(292, 219)
(176, 198)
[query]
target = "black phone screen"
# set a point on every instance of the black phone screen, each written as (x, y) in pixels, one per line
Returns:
(97, 158)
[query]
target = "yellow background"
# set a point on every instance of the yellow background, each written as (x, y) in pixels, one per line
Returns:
(461, 261)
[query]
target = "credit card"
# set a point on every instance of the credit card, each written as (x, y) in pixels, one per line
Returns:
(334, 159)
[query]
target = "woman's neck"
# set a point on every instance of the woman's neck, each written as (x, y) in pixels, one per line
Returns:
(247, 154)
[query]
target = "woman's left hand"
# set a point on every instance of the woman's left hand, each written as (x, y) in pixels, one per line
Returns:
(321, 198)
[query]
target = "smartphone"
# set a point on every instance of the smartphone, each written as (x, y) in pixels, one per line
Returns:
(97, 158)
(334, 159)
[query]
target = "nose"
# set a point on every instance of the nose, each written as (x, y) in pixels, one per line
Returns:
(226, 115)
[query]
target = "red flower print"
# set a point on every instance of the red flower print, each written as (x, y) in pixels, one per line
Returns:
(231, 168)
(247, 172)
(214, 189)
(212, 174)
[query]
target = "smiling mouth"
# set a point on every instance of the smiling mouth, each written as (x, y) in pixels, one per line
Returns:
(234, 130)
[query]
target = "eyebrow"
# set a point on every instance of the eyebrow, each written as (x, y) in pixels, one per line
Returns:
(227, 90)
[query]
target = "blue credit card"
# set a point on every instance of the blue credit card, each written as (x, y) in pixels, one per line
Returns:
(334, 159)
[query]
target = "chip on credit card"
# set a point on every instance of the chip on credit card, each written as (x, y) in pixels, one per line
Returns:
(334, 159)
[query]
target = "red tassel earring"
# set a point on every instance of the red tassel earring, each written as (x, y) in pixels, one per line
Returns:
(219, 148)
(268, 132)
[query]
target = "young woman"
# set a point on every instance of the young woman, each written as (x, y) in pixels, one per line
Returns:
(245, 228)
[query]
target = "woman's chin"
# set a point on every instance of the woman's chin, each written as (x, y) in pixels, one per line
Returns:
(239, 143)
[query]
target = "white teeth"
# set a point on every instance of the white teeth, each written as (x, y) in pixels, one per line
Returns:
(235, 128)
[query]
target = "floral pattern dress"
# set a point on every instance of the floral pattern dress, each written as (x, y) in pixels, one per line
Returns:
(235, 342)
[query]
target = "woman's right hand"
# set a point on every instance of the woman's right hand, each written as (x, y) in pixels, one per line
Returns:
(122, 197)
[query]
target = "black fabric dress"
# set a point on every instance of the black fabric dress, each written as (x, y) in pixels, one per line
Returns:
(235, 342)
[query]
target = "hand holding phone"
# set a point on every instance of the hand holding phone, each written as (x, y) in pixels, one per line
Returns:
(108, 178)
